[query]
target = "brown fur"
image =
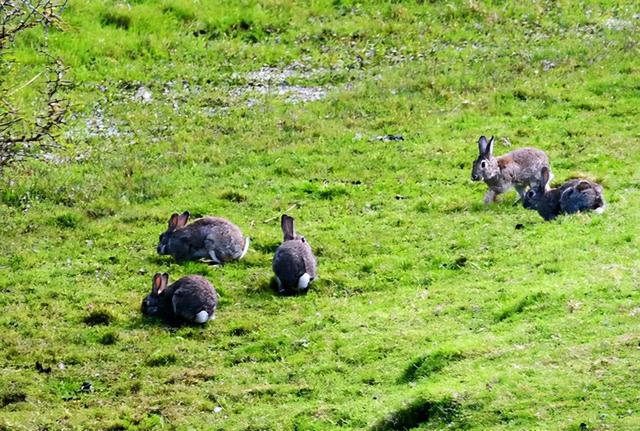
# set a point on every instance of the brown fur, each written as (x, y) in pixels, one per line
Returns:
(504, 161)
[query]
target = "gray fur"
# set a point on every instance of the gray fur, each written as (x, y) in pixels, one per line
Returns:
(293, 258)
(183, 299)
(209, 237)
(517, 169)
(574, 196)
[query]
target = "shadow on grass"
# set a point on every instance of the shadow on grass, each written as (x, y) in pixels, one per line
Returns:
(200, 266)
(270, 287)
(420, 412)
(265, 247)
(520, 305)
(429, 364)
(172, 323)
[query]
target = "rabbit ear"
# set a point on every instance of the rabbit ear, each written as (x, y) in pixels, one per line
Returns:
(489, 151)
(173, 222)
(583, 185)
(482, 145)
(157, 283)
(286, 223)
(183, 219)
(545, 176)
(164, 280)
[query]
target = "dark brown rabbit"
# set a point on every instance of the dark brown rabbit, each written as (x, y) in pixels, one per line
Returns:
(576, 195)
(191, 298)
(293, 263)
(211, 238)
(517, 169)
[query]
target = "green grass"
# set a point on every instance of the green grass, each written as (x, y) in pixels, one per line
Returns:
(431, 311)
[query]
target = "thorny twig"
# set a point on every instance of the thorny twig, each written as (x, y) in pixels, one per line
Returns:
(21, 137)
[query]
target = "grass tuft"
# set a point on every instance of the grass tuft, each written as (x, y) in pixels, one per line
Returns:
(116, 17)
(233, 196)
(424, 366)
(162, 359)
(421, 413)
(99, 317)
(68, 220)
(520, 305)
(109, 338)
(12, 397)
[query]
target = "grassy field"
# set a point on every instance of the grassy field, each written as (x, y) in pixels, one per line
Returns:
(431, 311)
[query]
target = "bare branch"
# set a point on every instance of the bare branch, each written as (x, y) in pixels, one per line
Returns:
(23, 136)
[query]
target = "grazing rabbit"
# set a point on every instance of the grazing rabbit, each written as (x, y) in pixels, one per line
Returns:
(519, 168)
(191, 298)
(293, 263)
(573, 196)
(209, 237)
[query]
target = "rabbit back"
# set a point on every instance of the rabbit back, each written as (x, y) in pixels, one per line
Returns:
(208, 237)
(194, 299)
(522, 166)
(223, 237)
(186, 244)
(581, 195)
(292, 260)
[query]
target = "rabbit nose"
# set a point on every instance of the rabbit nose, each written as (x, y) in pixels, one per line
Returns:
(475, 177)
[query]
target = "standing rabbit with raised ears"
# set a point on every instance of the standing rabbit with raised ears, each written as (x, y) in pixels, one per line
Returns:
(517, 169)
(293, 263)
(206, 238)
(191, 298)
(573, 196)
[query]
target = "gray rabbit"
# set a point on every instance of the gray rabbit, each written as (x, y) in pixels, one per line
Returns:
(206, 238)
(192, 298)
(571, 197)
(293, 263)
(517, 169)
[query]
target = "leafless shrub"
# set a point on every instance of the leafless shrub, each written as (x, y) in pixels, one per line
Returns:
(31, 133)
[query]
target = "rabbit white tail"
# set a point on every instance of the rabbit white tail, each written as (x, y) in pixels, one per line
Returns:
(201, 317)
(247, 240)
(600, 209)
(303, 281)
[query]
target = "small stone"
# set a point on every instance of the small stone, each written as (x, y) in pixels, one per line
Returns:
(389, 138)
(547, 65)
(143, 95)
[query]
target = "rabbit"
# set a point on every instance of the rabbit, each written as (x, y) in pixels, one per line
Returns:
(573, 196)
(209, 237)
(293, 263)
(191, 298)
(519, 169)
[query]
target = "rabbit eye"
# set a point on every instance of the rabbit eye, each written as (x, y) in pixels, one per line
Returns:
(531, 193)
(483, 164)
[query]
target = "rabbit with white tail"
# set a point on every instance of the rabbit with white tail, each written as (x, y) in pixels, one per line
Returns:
(191, 298)
(211, 238)
(517, 169)
(574, 196)
(293, 263)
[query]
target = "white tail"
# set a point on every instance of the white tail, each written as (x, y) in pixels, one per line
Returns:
(247, 240)
(303, 281)
(201, 317)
